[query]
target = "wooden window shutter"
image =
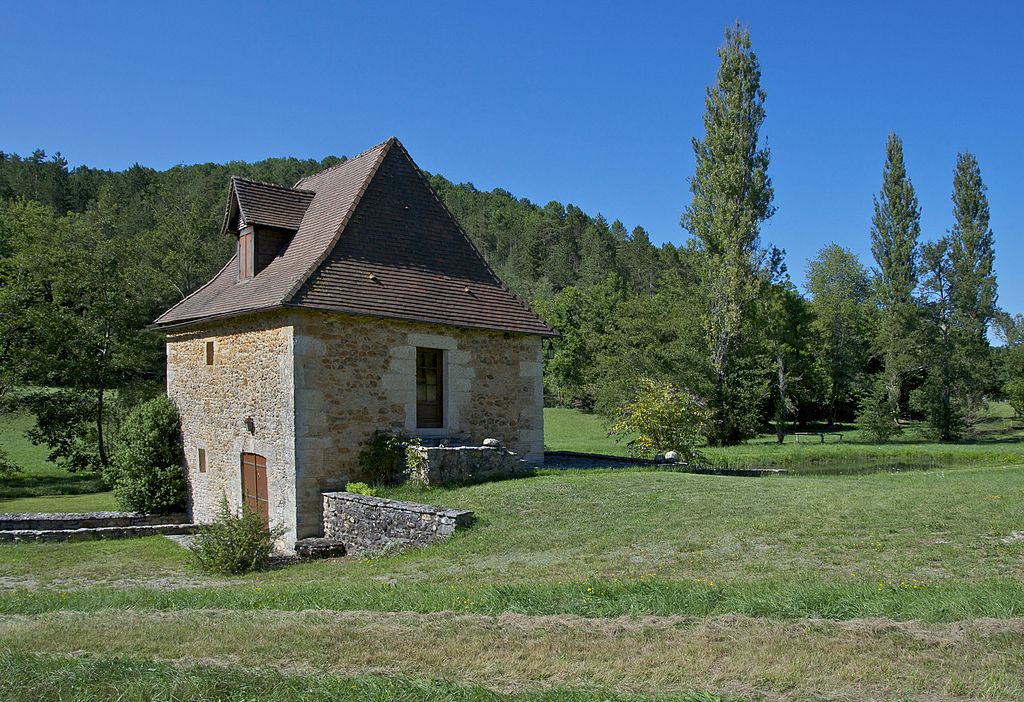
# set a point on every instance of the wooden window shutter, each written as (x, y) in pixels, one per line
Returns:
(246, 254)
(202, 460)
(209, 353)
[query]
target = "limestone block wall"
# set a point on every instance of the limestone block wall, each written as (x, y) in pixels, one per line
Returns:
(354, 375)
(252, 376)
(365, 523)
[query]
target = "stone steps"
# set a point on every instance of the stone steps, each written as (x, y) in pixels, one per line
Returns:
(83, 526)
(91, 533)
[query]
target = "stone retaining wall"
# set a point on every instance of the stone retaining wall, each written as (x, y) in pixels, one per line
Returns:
(447, 465)
(20, 521)
(92, 533)
(363, 523)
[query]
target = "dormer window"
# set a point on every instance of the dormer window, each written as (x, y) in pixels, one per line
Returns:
(263, 217)
(246, 253)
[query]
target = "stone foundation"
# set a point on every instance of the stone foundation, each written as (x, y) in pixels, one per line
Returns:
(453, 465)
(363, 523)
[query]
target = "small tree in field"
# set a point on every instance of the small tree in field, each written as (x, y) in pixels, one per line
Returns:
(1015, 394)
(877, 411)
(663, 418)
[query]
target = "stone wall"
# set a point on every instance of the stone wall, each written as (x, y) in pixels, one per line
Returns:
(80, 526)
(363, 523)
(84, 520)
(252, 376)
(465, 464)
(354, 375)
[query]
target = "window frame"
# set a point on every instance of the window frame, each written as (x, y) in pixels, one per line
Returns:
(439, 403)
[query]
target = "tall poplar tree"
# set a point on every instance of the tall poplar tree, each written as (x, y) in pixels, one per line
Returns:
(731, 197)
(971, 250)
(961, 289)
(895, 228)
(972, 279)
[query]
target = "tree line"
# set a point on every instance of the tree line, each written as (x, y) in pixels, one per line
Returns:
(89, 257)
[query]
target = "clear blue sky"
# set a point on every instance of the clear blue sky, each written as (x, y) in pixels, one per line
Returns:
(590, 103)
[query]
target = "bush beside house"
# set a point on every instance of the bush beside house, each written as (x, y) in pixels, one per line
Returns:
(146, 473)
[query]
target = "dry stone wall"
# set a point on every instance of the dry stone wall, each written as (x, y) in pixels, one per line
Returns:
(453, 465)
(80, 526)
(363, 523)
(84, 520)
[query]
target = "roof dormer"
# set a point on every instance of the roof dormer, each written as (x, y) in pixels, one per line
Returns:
(263, 217)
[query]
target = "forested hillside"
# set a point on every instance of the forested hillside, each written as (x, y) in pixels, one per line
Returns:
(88, 258)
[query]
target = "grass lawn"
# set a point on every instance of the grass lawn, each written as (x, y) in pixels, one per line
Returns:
(999, 440)
(576, 585)
(39, 477)
(572, 430)
(30, 678)
(88, 502)
(18, 448)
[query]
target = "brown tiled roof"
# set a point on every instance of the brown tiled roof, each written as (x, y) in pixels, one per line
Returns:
(266, 204)
(374, 240)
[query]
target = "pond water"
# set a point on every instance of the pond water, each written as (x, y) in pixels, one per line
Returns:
(567, 460)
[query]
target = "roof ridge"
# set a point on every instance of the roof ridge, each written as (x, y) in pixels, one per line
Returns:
(274, 185)
(458, 225)
(345, 220)
(347, 161)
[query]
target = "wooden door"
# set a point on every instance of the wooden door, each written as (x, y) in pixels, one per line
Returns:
(254, 484)
(429, 389)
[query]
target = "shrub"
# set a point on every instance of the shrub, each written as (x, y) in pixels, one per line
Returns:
(146, 473)
(362, 489)
(234, 543)
(1015, 394)
(663, 418)
(383, 456)
(7, 466)
(415, 463)
(876, 415)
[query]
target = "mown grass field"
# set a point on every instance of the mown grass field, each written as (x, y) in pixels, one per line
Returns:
(40, 478)
(575, 585)
(998, 440)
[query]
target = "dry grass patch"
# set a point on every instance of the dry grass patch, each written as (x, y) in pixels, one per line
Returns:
(732, 655)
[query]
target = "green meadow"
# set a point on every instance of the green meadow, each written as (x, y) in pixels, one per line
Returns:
(902, 579)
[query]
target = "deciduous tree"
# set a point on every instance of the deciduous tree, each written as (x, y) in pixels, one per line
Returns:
(838, 284)
(731, 197)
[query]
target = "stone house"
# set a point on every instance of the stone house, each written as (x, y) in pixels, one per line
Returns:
(354, 302)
